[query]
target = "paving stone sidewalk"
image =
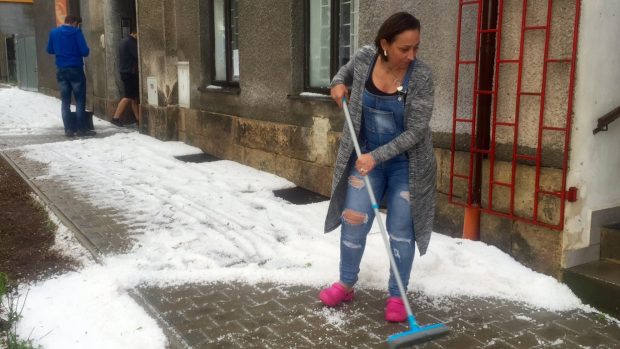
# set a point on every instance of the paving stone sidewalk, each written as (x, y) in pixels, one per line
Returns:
(275, 316)
(236, 315)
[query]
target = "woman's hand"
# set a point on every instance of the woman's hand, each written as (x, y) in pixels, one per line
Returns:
(364, 164)
(338, 92)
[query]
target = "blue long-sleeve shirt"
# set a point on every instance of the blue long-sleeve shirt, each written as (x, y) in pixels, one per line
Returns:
(69, 46)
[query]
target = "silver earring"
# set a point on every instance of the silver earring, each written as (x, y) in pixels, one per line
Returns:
(385, 53)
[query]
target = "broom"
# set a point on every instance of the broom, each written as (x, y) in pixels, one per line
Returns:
(416, 333)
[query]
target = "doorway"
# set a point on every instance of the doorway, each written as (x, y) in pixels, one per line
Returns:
(26, 59)
(122, 20)
(11, 64)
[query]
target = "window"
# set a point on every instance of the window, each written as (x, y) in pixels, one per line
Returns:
(326, 49)
(225, 42)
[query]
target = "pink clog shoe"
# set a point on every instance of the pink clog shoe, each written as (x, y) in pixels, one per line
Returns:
(395, 310)
(336, 294)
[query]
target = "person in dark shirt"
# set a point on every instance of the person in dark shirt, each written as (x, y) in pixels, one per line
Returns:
(69, 46)
(128, 66)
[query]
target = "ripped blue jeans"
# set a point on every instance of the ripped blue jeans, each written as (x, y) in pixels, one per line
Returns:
(390, 178)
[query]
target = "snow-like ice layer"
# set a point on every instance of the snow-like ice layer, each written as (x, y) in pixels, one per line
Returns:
(216, 221)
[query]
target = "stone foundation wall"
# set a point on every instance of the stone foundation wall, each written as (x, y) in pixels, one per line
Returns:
(537, 247)
(305, 155)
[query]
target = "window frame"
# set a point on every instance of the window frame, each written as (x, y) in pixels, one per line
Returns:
(334, 45)
(229, 82)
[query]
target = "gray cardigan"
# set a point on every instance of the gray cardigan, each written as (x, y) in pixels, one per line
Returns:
(416, 141)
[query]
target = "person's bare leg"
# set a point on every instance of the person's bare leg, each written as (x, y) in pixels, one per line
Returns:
(136, 110)
(121, 107)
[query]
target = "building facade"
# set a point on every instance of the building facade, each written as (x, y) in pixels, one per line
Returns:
(517, 93)
(104, 25)
(16, 32)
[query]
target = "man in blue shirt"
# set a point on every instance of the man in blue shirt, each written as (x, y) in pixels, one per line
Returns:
(69, 46)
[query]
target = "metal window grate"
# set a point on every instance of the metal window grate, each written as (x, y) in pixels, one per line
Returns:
(463, 177)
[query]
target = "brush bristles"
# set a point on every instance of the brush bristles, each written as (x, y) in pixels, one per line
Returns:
(416, 336)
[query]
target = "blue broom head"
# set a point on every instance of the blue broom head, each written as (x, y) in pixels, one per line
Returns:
(416, 335)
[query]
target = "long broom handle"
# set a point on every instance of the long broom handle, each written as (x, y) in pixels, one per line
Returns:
(375, 207)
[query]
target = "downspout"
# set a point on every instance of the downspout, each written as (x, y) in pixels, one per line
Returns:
(486, 65)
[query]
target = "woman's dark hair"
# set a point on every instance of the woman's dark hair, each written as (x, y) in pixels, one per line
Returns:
(394, 25)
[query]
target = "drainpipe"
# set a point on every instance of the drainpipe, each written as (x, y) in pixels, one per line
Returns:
(486, 65)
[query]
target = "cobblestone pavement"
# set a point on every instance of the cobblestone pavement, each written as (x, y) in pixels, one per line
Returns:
(234, 315)
(276, 316)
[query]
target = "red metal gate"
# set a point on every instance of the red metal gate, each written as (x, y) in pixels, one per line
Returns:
(464, 178)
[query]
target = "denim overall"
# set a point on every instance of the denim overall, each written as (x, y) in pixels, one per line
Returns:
(383, 120)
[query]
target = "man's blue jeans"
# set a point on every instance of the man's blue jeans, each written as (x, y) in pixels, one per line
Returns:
(391, 179)
(73, 81)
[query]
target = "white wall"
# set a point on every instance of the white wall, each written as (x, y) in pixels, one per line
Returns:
(594, 166)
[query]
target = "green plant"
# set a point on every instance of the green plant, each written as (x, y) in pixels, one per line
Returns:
(51, 226)
(3, 283)
(10, 315)
(602, 318)
(3, 290)
(37, 205)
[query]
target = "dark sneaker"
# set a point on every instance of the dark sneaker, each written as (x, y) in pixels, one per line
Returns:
(88, 133)
(69, 134)
(117, 122)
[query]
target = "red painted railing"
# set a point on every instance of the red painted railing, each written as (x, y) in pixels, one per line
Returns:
(542, 128)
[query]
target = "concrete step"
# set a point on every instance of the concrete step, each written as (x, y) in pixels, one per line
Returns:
(610, 242)
(597, 284)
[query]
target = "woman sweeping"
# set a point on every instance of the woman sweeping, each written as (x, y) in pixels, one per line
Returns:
(391, 104)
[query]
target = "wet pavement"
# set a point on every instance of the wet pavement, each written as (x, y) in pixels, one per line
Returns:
(237, 315)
